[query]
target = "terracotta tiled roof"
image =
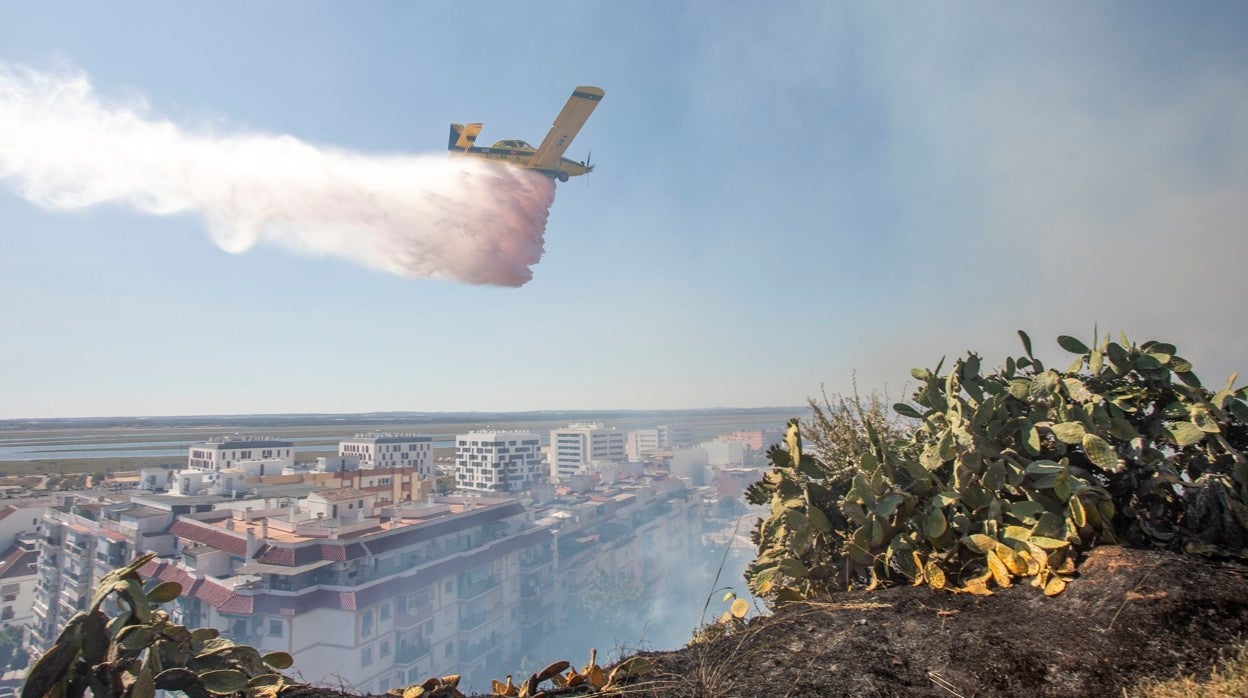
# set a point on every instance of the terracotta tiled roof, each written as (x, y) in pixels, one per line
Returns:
(232, 543)
(18, 562)
(276, 555)
(113, 535)
(208, 591)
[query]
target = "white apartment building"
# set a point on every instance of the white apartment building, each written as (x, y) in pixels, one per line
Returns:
(374, 595)
(645, 442)
(575, 447)
(382, 450)
(253, 455)
(81, 540)
(18, 577)
(641, 443)
(723, 454)
(676, 436)
(497, 461)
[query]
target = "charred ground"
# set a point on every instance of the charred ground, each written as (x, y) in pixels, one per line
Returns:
(1130, 615)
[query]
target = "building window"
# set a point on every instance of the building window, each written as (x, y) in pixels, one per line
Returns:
(366, 656)
(366, 624)
(384, 613)
(450, 650)
(385, 649)
(275, 627)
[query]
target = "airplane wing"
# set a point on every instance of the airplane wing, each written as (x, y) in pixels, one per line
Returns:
(569, 122)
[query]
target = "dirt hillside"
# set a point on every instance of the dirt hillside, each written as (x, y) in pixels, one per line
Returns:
(1131, 614)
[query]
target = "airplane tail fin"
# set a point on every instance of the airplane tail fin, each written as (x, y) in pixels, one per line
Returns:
(463, 136)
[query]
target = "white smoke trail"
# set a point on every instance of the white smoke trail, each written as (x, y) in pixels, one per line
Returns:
(64, 147)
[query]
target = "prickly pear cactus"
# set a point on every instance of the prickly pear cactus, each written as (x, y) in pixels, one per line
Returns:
(139, 651)
(1011, 475)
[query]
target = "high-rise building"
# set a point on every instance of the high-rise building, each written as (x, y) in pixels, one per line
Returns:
(497, 461)
(574, 448)
(81, 540)
(380, 450)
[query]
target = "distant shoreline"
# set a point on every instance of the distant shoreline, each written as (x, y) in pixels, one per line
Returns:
(348, 418)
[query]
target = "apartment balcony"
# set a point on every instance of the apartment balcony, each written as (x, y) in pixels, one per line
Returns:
(536, 561)
(36, 637)
(531, 588)
(473, 590)
(470, 651)
(408, 652)
(533, 612)
(471, 620)
(76, 575)
(112, 561)
(40, 608)
(413, 617)
(577, 586)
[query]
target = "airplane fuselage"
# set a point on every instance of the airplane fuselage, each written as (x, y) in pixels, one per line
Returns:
(547, 158)
(521, 156)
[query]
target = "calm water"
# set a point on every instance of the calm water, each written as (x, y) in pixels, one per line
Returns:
(21, 449)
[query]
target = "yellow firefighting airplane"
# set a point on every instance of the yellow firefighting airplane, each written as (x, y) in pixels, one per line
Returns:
(546, 158)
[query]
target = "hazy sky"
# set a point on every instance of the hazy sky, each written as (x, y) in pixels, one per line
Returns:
(786, 193)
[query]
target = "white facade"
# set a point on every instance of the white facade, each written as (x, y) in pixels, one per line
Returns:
(380, 450)
(263, 456)
(155, 479)
(18, 577)
(642, 442)
(676, 436)
(723, 454)
(497, 461)
(691, 465)
(22, 516)
(574, 448)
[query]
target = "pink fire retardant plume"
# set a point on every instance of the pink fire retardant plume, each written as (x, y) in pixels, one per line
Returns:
(63, 146)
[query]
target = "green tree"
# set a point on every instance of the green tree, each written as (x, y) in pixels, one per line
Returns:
(12, 655)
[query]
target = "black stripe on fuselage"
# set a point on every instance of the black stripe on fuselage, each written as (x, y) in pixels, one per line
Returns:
(587, 95)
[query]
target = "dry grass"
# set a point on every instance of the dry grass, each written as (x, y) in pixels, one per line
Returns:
(1228, 679)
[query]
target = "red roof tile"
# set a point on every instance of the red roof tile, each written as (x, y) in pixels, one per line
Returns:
(233, 543)
(18, 562)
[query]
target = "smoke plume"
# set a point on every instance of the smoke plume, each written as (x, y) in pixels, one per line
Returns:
(63, 146)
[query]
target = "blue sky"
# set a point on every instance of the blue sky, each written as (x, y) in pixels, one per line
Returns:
(787, 195)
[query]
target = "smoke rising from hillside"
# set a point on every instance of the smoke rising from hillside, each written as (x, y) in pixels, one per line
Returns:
(63, 147)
